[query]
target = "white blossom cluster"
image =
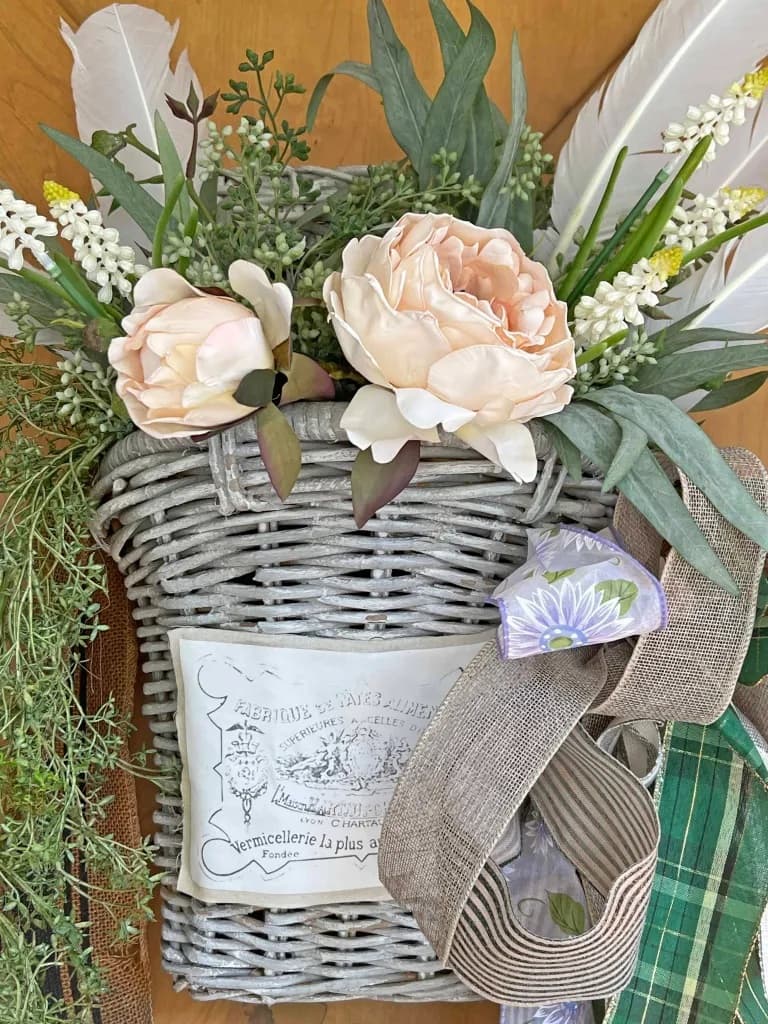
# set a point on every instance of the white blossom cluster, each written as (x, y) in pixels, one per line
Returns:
(214, 146)
(96, 248)
(715, 117)
(704, 217)
(21, 227)
(618, 303)
(618, 365)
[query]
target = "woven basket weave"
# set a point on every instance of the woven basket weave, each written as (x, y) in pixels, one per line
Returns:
(203, 541)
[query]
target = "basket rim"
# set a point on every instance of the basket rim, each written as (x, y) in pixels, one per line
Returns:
(312, 421)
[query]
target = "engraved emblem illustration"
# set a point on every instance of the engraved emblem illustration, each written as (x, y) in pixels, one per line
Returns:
(245, 765)
(359, 758)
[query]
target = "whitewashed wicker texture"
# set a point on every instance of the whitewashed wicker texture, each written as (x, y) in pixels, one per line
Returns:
(423, 566)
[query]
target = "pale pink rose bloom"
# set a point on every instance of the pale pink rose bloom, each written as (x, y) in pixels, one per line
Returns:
(185, 352)
(454, 326)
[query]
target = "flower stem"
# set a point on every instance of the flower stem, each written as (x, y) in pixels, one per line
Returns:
(595, 351)
(618, 236)
(716, 241)
(590, 238)
(164, 220)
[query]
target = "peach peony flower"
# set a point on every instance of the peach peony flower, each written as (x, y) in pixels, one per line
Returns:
(454, 326)
(185, 351)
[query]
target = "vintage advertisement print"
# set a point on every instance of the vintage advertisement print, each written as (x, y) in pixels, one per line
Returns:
(291, 749)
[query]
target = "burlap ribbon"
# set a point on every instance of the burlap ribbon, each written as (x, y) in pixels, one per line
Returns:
(508, 729)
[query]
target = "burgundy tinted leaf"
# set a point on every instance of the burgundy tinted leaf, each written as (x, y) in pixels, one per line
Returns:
(282, 354)
(177, 108)
(193, 101)
(209, 104)
(374, 484)
(308, 381)
(280, 449)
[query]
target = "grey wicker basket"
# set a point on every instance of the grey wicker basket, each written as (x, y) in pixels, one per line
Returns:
(203, 541)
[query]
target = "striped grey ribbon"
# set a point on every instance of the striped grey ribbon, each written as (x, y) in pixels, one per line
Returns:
(509, 729)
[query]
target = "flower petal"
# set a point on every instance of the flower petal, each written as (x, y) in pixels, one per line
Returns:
(509, 445)
(273, 302)
(351, 345)
(372, 420)
(493, 379)
(403, 345)
(162, 286)
(424, 410)
(231, 351)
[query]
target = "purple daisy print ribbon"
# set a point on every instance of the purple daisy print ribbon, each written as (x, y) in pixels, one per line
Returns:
(575, 589)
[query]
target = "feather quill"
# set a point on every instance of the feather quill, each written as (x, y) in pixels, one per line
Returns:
(120, 75)
(687, 50)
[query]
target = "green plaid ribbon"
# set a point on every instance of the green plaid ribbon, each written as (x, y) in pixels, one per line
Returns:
(709, 891)
(753, 1008)
(755, 665)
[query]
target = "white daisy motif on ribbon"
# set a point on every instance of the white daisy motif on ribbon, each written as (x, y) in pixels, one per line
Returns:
(576, 589)
(537, 834)
(555, 618)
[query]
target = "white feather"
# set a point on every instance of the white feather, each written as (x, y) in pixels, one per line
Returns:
(734, 285)
(743, 162)
(120, 76)
(686, 51)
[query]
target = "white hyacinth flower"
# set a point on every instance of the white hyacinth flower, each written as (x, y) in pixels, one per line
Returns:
(715, 117)
(95, 247)
(704, 217)
(618, 304)
(21, 227)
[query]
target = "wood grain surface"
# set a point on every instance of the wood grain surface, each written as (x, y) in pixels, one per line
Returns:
(568, 47)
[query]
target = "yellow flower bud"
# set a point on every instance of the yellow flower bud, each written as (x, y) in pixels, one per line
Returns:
(755, 83)
(746, 199)
(56, 193)
(667, 262)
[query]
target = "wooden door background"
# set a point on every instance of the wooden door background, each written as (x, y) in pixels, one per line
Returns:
(568, 46)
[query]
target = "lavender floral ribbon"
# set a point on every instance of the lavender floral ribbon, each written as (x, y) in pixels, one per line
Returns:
(575, 589)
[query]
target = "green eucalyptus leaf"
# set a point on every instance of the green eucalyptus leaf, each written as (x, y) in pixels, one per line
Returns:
(135, 200)
(209, 193)
(406, 104)
(731, 392)
(42, 304)
(171, 165)
(354, 69)
(679, 374)
(376, 483)
(479, 150)
(448, 119)
(624, 591)
(646, 486)
(494, 206)
(567, 452)
(520, 220)
(567, 913)
(279, 448)
(677, 341)
(256, 388)
(691, 450)
(634, 441)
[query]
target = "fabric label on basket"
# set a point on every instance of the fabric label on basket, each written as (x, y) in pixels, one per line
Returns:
(291, 748)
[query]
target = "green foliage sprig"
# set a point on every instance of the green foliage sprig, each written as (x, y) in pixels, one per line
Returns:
(54, 758)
